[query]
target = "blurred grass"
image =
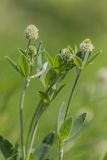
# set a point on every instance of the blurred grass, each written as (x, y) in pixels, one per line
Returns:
(60, 23)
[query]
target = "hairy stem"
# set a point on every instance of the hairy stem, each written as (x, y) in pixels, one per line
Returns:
(21, 118)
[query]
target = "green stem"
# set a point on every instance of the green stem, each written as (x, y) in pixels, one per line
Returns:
(21, 118)
(34, 123)
(27, 50)
(61, 150)
(72, 91)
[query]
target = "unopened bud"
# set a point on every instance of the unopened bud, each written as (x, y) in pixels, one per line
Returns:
(66, 53)
(32, 50)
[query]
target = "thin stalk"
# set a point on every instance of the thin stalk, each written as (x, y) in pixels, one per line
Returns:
(61, 150)
(72, 91)
(34, 120)
(27, 50)
(34, 123)
(21, 118)
(31, 125)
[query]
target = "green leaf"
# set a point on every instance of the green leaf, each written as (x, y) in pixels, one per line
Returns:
(61, 116)
(22, 51)
(49, 58)
(93, 58)
(24, 66)
(59, 64)
(14, 65)
(6, 147)
(77, 125)
(50, 77)
(65, 129)
(40, 56)
(44, 148)
(78, 62)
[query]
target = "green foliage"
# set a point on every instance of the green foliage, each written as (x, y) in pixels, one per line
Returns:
(59, 64)
(35, 62)
(50, 77)
(78, 62)
(92, 58)
(40, 56)
(14, 65)
(24, 66)
(61, 116)
(65, 129)
(49, 59)
(77, 124)
(7, 149)
(44, 148)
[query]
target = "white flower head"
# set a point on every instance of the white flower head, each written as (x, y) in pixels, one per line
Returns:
(66, 53)
(31, 32)
(87, 45)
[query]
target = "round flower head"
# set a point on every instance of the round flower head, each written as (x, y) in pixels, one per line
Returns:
(66, 53)
(87, 45)
(31, 32)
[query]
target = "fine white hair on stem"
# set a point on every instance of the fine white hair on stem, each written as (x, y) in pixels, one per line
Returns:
(41, 72)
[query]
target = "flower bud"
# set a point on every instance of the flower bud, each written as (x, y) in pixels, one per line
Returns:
(31, 32)
(87, 45)
(32, 50)
(66, 53)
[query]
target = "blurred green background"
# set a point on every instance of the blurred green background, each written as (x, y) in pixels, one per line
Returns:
(60, 22)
